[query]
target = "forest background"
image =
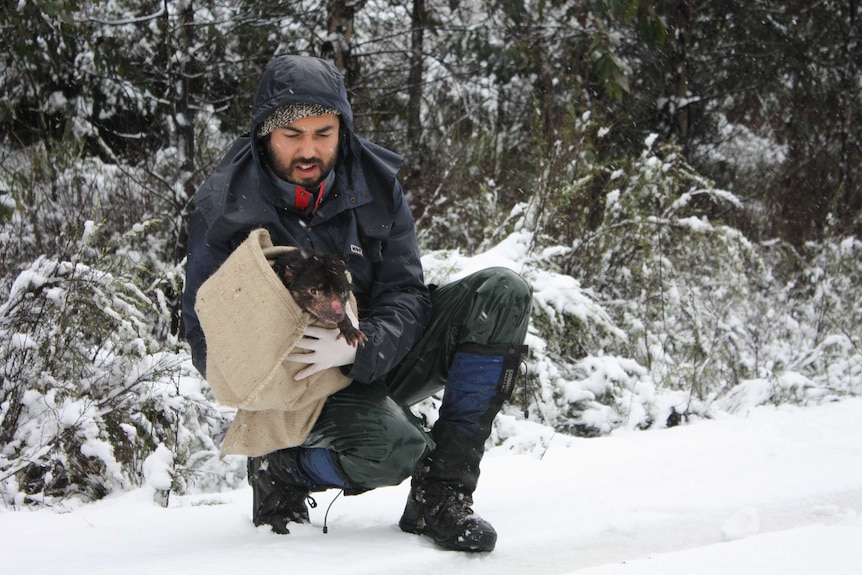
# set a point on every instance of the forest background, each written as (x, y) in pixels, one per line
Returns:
(681, 181)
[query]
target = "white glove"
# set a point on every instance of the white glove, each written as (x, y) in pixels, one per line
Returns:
(325, 350)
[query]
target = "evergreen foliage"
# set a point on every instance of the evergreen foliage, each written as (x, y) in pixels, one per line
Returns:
(90, 388)
(679, 181)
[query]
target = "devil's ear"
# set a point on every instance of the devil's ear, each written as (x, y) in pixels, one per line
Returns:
(303, 253)
(281, 267)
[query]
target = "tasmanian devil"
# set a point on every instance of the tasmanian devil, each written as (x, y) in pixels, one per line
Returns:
(319, 284)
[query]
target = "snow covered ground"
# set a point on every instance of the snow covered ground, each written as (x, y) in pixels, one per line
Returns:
(778, 490)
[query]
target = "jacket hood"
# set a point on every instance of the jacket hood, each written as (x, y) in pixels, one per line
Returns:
(292, 79)
(300, 80)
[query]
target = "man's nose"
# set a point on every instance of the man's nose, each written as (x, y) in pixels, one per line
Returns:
(306, 147)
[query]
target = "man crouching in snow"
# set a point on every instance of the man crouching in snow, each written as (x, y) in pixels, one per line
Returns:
(302, 174)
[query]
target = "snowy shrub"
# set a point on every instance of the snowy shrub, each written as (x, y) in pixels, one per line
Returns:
(803, 343)
(826, 300)
(704, 310)
(88, 389)
(674, 280)
(94, 377)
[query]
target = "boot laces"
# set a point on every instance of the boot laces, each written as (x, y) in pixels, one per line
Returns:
(294, 503)
(446, 504)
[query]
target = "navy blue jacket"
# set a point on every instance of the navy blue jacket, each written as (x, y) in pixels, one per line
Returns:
(364, 218)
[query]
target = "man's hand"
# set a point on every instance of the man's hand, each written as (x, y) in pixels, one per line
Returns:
(325, 349)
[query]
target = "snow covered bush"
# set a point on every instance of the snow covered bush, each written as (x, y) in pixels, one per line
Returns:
(704, 310)
(675, 281)
(824, 306)
(89, 389)
(95, 378)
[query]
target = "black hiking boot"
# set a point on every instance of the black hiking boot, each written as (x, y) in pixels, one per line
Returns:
(445, 515)
(480, 379)
(276, 503)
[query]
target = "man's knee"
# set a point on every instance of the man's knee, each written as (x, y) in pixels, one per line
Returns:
(506, 283)
(376, 440)
(501, 308)
(389, 458)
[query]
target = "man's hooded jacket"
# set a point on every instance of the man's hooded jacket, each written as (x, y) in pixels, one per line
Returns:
(362, 217)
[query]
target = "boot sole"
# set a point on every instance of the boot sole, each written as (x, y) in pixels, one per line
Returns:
(481, 544)
(484, 543)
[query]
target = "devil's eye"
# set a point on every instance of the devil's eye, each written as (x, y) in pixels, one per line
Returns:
(313, 291)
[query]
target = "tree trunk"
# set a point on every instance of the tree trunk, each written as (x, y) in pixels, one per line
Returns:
(179, 64)
(419, 19)
(679, 24)
(848, 207)
(340, 34)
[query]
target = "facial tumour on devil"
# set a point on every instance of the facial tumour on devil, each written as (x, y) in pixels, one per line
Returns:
(320, 285)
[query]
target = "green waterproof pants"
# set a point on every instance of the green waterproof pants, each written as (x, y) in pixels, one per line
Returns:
(369, 427)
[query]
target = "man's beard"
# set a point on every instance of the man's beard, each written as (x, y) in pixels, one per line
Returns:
(283, 170)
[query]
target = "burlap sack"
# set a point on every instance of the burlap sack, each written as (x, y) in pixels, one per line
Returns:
(251, 323)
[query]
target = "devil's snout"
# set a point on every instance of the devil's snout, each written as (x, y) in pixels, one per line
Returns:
(337, 308)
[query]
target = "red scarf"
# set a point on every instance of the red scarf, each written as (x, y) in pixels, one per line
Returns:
(303, 197)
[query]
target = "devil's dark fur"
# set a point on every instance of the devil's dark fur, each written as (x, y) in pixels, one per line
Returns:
(320, 285)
